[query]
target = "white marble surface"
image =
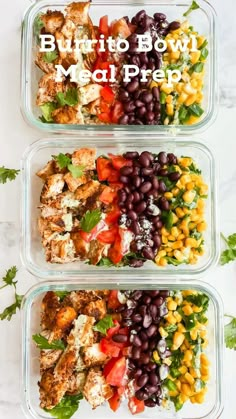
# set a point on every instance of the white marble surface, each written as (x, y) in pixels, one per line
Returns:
(15, 135)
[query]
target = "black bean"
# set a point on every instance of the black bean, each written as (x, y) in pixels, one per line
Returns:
(162, 187)
(136, 295)
(124, 179)
(149, 403)
(122, 195)
(150, 106)
(120, 338)
(147, 171)
(151, 389)
(132, 86)
(131, 155)
(156, 93)
(138, 103)
(147, 321)
(157, 239)
(174, 176)
(153, 310)
(162, 158)
(141, 207)
(142, 309)
(140, 16)
(136, 196)
(144, 358)
(141, 111)
(153, 379)
(137, 341)
(143, 335)
(155, 182)
(142, 380)
(147, 252)
(150, 116)
(164, 204)
(158, 301)
(172, 158)
(143, 58)
(164, 293)
(163, 172)
(136, 181)
(141, 395)
(129, 206)
(173, 26)
(136, 263)
(132, 215)
(147, 299)
(136, 318)
(126, 170)
(146, 96)
(124, 95)
(129, 106)
(159, 16)
(127, 313)
(159, 224)
(145, 187)
(136, 353)
(152, 345)
(135, 227)
(138, 372)
(144, 346)
(151, 330)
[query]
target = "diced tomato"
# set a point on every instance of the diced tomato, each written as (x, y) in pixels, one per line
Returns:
(121, 390)
(113, 216)
(103, 25)
(107, 94)
(104, 168)
(135, 405)
(104, 107)
(108, 195)
(114, 176)
(116, 375)
(108, 236)
(109, 365)
(113, 302)
(120, 28)
(117, 112)
(115, 252)
(104, 117)
(108, 348)
(113, 330)
(93, 233)
(115, 401)
(119, 161)
(85, 236)
(127, 351)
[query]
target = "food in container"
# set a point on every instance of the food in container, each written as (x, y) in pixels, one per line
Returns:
(122, 209)
(153, 351)
(88, 80)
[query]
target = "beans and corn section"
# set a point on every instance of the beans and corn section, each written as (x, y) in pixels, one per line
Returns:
(181, 102)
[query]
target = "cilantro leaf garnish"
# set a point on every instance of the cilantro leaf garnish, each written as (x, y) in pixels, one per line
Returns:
(199, 300)
(47, 109)
(50, 56)
(90, 220)
(61, 294)
(38, 26)
(194, 6)
(8, 280)
(66, 408)
(69, 98)
(228, 255)
(65, 161)
(103, 325)
(230, 334)
(43, 343)
(7, 174)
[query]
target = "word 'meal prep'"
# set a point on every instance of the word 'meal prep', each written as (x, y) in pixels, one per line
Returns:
(144, 44)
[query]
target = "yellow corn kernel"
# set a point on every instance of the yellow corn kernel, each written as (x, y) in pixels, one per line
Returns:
(203, 334)
(186, 210)
(193, 260)
(185, 25)
(175, 191)
(194, 56)
(192, 120)
(162, 253)
(167, 361)
(186, 161)
(189, 90)
(163, 332)
(172, 305)
(205, 378)
(156, 356)
(200, 40)
(168, 250)
(199, 397)
(178, 339)
(189, 378)
(164, 232)
(178, 244)
(187, 310)
(171, 238)
(194, 334)
(200, 204)
(187, 344)
(174, 232)
(191, 242)
(178, 317)
(181, 328)
(179, 212)
(195, 373)
(170, 318)
(166, 88)
(169, 109)
(182, 97)
(191, 99)
(181, 236)
(186, 389)
(204, 360)
(173, 393)
(183, 369)
(188, 356)
(199, 97)
(162, 262)
(185, 179)
(169, 99)
(178, 255)
(201, 226)
(189, 196)
(175, 55)
(164, 239)
(178, 385)
(204, 369)
(175, 218)
(168, 195)
(183, 398)
(190, 186)
(192, 399)
(194, 83)
(179, 87)
(196, 309)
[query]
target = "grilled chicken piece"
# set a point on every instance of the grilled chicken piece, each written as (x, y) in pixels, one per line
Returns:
(80, 365)
(96, 309)
(79, 299)
(48, 358)
(63, 321)
(89, 93)
(52, 21)
(65, 115)
(48, 170)
(79, 13)
(60, 248)
(82, 332)
(96, 251)
(60, 223)
(81, 246)
(93, 356)
(52, 187)
(93, 108)
(68, 29)
(96, 390)
(50, 306)
(74, 183)
(83, 192)
(85, 157)
(44, 65)
(48, 88)
(76, 383)
(58, 205)
(47, 211)
(43, 225)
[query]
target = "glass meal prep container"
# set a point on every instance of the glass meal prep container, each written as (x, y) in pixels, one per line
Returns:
(211, 408)
(203, 19)
(38, 154)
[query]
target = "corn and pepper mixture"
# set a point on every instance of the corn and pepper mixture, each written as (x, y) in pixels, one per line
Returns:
(181, 103)
(182, 240)
(184, 330)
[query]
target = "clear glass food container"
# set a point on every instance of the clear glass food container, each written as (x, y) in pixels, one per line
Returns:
(203, 19)
(39, 153)
(210, 409)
